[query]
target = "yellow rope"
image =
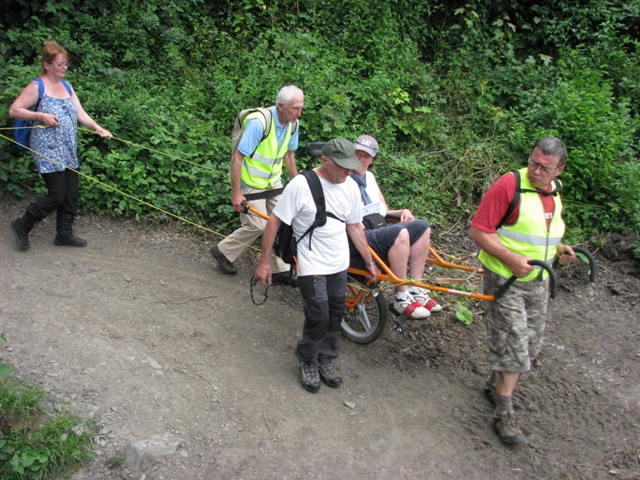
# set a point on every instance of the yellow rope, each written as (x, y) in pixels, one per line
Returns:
(119, 191)
(114, 138)
(408, 281)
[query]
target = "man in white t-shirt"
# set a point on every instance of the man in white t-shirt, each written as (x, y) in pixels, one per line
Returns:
(404, 246)
(323, 257)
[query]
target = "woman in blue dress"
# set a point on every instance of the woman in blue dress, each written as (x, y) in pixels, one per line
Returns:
(54, 148)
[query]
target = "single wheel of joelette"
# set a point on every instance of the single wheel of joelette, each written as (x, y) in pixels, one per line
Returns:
(365, 313)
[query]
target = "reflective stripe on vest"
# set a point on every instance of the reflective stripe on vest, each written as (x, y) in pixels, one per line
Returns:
(529, 235)
(265, 168)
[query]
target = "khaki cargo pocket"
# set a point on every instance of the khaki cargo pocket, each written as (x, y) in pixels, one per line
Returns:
(498, 341)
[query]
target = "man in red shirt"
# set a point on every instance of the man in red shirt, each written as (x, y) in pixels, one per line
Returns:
(509, 238)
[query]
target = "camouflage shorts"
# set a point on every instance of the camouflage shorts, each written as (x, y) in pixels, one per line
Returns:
(515, 323)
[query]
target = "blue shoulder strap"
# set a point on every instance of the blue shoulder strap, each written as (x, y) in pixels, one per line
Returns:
(40, 88)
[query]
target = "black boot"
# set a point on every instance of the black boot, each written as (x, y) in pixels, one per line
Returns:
(21, 227)
(21, 233)
(65, 234)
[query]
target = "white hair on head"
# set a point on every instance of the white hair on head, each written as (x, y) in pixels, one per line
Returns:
(286, 94)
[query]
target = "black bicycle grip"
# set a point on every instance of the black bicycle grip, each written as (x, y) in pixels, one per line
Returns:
(593, 266)
(553, 280)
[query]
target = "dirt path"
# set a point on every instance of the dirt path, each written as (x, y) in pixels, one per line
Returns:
(141, 333)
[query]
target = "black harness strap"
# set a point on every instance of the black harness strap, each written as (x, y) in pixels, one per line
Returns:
(262, 195)
(315, 186)
(516, 197)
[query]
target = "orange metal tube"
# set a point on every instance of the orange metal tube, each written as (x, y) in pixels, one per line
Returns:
(389, 276)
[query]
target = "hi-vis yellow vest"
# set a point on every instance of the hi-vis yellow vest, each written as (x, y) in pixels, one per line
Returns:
(529, 235)
(264, 167)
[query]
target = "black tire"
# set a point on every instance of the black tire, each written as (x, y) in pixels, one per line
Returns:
(365, 320)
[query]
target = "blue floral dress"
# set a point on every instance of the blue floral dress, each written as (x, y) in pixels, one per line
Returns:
(58, 145)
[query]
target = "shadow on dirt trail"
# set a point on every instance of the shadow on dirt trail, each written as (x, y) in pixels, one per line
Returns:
(140, 332)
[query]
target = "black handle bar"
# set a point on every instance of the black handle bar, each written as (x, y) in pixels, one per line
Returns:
(553, 280)
(593, 266)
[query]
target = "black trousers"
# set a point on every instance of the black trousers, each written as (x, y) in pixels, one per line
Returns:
(62, 196)
(323, 298)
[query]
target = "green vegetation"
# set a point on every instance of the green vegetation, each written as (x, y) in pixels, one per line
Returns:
(4, 368)
(116, 461)
(464, 315)
(455, 92)
(33, 444)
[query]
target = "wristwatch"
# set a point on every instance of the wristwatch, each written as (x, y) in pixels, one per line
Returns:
(370, 264)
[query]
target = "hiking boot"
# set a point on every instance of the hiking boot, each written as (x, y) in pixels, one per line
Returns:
(69, 240)
(421, 296)
(309, 376)
(21, 233)
(329, 375)
(410, 307)
(224, 265)
(64, 229)
(283, 278)
(506, 425)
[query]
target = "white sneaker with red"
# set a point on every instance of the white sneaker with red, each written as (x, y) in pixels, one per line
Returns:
(421, 296)
(410, 307)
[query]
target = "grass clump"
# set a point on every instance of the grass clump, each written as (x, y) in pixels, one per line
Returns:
(35, 444)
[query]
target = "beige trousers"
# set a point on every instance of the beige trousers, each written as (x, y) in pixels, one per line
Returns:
(251, 229)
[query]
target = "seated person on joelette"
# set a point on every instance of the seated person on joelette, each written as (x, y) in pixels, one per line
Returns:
(403, 246)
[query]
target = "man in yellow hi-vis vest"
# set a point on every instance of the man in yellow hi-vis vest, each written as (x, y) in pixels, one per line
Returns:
(509, 238)
(256, 168)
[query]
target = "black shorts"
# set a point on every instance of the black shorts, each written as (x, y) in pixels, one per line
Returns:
(382, 239)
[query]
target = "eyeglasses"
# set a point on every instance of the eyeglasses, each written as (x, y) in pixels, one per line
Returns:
(536, 166)
(60, 64)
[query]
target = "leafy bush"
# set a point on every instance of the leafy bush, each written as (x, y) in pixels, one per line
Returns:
(579, 107)
(455, 94)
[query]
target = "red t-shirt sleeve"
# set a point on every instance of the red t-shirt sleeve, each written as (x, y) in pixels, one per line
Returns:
(494, 205)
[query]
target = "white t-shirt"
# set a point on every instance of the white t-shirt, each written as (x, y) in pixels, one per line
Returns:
(329, 252)
(373, 190)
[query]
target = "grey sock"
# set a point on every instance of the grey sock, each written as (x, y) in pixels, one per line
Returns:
(503, 404)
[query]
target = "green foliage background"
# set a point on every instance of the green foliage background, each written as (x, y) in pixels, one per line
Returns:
(456, 93)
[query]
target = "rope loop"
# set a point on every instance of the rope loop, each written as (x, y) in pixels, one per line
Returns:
(252, 283)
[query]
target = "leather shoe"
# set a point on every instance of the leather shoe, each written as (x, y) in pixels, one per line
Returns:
(224, 264)
(329, 375)
(283, 278)
(21, 233)
(309, 377)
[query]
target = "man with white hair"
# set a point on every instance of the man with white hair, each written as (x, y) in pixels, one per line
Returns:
(256, 168)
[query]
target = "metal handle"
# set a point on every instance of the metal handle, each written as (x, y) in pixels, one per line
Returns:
(553, 280)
